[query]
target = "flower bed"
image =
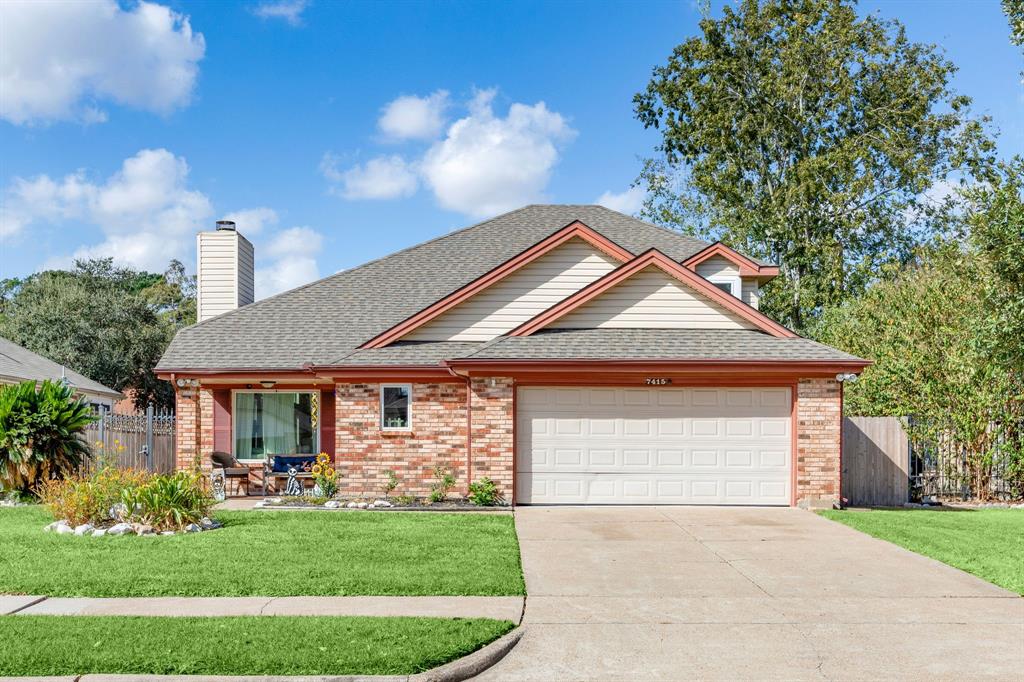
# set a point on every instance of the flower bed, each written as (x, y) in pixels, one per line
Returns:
(371, 504)
(112, 501)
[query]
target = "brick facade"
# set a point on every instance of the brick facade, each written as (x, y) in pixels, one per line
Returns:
(818, 431)
(364, 451)
(493, 429)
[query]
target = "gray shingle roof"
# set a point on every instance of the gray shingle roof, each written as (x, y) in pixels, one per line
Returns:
(411, 353)
(324, 321)
(655, 344)
(20, 364)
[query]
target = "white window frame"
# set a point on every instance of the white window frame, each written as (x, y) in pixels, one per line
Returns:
(265, 457)
(733, 281)
(408, 409)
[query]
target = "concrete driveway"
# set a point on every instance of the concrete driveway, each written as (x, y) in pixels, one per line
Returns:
(688, 593)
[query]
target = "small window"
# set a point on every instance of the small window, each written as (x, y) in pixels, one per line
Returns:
(396, 407)
(730, 285)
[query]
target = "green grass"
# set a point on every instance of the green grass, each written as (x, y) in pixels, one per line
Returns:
(986, 542)
(270, 645)
(270, 553)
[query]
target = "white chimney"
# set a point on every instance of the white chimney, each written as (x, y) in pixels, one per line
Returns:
(224, 279)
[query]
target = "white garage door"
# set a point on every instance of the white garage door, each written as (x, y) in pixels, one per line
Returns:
(653, 445)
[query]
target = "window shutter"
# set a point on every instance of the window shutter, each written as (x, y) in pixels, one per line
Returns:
(222, 420)
(327, 421)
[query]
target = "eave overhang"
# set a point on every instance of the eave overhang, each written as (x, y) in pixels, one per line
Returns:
(747, 267)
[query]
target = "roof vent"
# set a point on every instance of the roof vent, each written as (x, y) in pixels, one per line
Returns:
(226, 225)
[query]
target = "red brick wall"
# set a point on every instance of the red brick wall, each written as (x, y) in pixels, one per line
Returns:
(819, 425)
(493, 426)
(364, 451)
(193, 427)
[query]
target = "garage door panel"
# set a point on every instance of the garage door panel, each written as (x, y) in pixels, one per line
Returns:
(712, 446)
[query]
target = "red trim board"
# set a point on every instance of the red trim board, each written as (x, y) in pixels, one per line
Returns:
(671, 268)
(748, 267)
(570, 231)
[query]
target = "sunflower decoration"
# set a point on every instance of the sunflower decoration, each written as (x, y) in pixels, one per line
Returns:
(325, 476)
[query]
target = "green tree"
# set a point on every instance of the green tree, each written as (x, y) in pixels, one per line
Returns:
(42, 432)
(801, 133)
(111, 324)
(1014, 10)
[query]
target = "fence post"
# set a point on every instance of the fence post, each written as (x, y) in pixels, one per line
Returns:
(149, 437)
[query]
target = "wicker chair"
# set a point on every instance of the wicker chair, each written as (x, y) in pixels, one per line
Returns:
(232, 469)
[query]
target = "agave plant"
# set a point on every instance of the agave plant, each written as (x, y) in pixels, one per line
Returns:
(41, 433)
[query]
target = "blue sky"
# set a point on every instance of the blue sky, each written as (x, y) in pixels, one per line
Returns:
(336, 132)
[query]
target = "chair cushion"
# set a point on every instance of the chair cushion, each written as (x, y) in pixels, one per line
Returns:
(281, 464)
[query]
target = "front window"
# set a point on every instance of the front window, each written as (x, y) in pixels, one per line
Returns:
(396, 407)
(730, 285)
(275, 423)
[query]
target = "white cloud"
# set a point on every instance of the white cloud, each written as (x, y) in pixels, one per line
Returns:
(414, 118)
(384, 177)
(59, 59)
(488, 164)
(146, 210)
(630, 201)
(287, 261)
(251, 221)
(482, 165)
(289, 10)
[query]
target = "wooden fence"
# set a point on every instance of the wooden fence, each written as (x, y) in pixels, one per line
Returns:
(876, 461)
(136, 441)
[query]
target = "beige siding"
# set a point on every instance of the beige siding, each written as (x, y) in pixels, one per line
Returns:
(527, 292)
(751, 292)
(225, 272)
(717, 265)
(652, 299)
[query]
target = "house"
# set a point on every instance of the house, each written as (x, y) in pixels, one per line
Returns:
(18, 364)
(572, 354)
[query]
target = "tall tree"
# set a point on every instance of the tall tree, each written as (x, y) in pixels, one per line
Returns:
(804, 134)
(111, 324)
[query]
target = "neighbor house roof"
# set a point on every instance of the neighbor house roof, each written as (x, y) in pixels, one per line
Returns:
(21, 364)
(325, 321)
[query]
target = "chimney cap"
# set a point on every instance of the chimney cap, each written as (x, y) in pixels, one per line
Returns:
(226, 225)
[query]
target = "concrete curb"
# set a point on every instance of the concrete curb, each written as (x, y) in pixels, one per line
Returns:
(456, 671)
(474, 664)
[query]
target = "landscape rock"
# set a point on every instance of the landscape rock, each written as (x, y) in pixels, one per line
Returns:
(193, 528)
(352, 505)
(913, 505)
(51, 526)
(382, 503)
(332, 504)
(167, 532)
(121, 529)
(84, 529)
(362, 505)
(142, 528)
(99, 532)
(64, 529)
(209, 524)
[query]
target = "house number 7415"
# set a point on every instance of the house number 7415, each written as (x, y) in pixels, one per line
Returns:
(657, 381)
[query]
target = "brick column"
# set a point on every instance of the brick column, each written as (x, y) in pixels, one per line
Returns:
(492, 429)
(819, 422)
(193, 412)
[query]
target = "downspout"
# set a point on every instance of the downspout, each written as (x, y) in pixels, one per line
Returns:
(469, 426)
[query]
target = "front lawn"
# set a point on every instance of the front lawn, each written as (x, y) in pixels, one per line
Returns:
(986, 542)
(269, 553)
(270, 645)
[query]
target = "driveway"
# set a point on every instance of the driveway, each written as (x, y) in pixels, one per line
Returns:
(687, 593)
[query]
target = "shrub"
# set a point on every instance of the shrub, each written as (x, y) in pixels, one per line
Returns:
(484, 493)
(325, 476)
(169, 501)
(88, 498)
(405, 500)
(41, 433)
(390, 483)
(444, 482)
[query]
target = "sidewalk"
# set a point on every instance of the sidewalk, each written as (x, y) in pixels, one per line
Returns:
(499, 608)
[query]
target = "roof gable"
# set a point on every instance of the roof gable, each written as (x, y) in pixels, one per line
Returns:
(711, 295)
(748, 267)
(504, 305)
(323, 321)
